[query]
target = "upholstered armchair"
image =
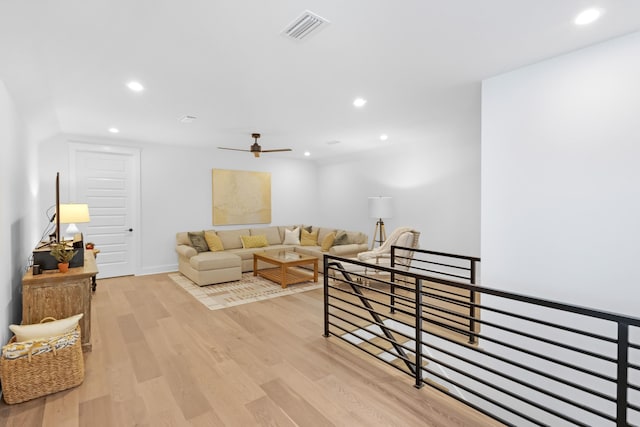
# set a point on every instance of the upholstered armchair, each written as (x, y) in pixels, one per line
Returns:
(403, 236)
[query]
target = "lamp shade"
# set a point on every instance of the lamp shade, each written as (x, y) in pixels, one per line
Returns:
(380, 207)
(73, 213)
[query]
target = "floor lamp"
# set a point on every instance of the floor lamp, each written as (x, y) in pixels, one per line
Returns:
(379, 207)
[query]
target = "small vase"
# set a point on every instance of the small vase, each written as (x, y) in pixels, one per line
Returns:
(63, 267)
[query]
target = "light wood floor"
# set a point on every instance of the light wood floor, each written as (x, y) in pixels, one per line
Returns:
(160, 358)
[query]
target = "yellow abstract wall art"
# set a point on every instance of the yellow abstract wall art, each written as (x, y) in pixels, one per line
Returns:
(241, 197)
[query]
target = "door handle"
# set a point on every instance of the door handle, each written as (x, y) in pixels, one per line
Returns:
(130, 230)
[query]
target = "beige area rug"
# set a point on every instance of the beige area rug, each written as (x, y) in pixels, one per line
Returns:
(249, 289)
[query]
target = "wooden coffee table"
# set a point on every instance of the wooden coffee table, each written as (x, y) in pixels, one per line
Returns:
(283, 273)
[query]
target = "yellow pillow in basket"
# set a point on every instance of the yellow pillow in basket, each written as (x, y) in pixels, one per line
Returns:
(258, 241)
(45, 330)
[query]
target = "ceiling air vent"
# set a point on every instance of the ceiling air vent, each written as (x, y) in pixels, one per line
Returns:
(304, 25)
(187, 119)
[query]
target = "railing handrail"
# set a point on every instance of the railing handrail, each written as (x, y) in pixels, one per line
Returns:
(424, 251)
(601, 314)
(411, 278)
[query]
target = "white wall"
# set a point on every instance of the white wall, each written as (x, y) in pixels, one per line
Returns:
(560, 178)
(561, 196)
(18, 192)
(435, 186)
(176, 195)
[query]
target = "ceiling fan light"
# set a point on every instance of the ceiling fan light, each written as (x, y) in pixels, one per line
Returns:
(255, 148)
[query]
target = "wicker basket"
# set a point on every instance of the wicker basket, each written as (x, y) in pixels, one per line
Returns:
(37, 375)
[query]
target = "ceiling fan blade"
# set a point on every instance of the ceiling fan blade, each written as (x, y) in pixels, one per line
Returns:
(274, 151)
(234, 149)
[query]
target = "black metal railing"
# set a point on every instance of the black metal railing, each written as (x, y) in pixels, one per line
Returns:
(519, 359)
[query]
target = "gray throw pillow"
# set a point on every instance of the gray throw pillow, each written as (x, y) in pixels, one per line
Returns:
(342, 238)
(198, 241)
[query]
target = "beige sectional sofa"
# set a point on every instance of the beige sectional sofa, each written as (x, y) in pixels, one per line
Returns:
(230, 253)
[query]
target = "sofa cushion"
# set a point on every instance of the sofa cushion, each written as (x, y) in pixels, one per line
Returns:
(213, 241)
(281, 229)
(186, 251)
(308, 238)
(323, 232)
(197, 241)
(231, 238)
(291, 237)
(349, 250)
(214, 261)
(341, 238)
(327, 241)
(309, 250)
(272, 233)
(257, 241)
(349, 238)
(182, 238)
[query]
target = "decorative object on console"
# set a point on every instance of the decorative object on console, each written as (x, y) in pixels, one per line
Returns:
(380, 207)
(241, 197)
(72, 214)
(63, 254)
(255, 148)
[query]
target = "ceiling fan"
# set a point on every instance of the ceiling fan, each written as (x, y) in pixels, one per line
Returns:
(255, 148)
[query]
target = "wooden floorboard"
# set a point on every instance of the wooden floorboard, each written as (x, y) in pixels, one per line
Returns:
(161, 358)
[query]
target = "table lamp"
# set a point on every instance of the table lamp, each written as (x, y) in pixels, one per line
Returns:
(72, 213)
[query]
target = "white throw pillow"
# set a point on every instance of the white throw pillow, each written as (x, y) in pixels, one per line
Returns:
(292, 237)
(45, 330)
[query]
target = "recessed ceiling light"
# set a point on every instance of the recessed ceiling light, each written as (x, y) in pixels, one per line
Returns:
(587, 16)
(359, 102)
(135, 86)
(384, 137)
(307, 154)
(114, 130)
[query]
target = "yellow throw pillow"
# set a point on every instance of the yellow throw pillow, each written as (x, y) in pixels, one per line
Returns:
(308, 238)
(327, 242)
(213, 241)
(45, 330)
(258, 241)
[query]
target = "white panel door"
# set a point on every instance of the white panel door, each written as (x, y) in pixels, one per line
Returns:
(106, 178)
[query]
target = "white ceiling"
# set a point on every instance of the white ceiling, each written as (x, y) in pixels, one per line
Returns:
(419, 64)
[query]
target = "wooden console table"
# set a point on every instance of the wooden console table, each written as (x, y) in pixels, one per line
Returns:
(60, 295)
